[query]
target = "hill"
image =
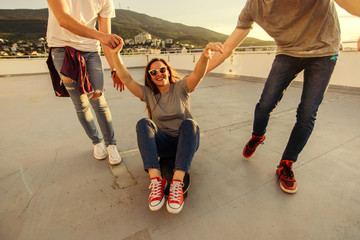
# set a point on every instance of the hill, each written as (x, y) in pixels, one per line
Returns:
(29, 24)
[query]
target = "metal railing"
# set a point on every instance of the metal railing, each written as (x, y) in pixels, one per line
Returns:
(348, 46)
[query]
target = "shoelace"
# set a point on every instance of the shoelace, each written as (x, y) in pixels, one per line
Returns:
(156, 189)
(286, 171)
(99, 149)
(175, 191)
(112, 152)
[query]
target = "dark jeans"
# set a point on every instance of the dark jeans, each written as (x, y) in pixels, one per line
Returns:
(317, 73)
(154, 143)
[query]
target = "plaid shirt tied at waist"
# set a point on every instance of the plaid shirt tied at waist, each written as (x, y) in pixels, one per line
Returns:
(74, 67)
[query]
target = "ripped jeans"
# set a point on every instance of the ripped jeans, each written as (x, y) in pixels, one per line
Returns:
(82, 102)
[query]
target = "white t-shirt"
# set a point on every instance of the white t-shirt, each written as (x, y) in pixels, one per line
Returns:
(87, 12)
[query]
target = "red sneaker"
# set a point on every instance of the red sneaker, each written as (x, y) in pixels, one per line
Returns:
(175, 201)
(156, 197)
(286, 176)
(252, 144)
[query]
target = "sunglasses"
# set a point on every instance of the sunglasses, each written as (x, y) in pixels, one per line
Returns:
(153, 72)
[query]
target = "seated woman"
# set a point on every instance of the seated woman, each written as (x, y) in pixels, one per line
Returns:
(170, 130)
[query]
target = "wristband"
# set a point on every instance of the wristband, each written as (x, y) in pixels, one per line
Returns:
(113, 71)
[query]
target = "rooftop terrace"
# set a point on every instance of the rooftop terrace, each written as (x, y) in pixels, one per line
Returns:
(51, 187)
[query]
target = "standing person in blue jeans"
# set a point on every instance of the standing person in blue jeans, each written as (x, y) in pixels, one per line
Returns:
(170, 130)
(307, 35)
(76, 68)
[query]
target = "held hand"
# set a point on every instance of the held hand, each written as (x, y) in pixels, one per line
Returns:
(117, 82)
(213, 46)
(110, 40)
(118, 48)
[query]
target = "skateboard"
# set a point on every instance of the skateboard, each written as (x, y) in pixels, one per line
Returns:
(167, 170)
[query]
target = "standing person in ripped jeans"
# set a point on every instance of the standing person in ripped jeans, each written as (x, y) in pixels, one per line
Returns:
(307, 35)
(170, 129)
(76, 68)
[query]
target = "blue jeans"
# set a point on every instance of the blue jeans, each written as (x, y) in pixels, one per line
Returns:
(154, 143)
(82, 102)
(317, 73)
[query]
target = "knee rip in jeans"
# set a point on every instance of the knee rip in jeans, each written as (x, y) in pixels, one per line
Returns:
(96, 94)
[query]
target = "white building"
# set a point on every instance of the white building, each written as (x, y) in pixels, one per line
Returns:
(156, 42)
(142, 38)
(129, 41)
(14, 47)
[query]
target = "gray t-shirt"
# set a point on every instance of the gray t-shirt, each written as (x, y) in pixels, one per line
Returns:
(300, 28)
(172, 109)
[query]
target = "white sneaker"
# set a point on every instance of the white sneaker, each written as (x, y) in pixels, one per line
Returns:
(114, 156)
(100, 151)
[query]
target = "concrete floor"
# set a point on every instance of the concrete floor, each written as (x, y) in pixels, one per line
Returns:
(51, 187)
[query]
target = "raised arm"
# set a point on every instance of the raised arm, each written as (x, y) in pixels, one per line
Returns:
(123, 73)
(105, 27)
(200, 68)
(352, 6)
(60, 8)
(234, 40)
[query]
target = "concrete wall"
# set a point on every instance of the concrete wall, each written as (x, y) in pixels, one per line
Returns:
(25, 66)
(255, 64)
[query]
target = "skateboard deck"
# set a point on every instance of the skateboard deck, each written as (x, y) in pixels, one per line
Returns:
(167, 170)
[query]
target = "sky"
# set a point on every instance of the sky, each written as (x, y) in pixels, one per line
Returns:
(220, 16)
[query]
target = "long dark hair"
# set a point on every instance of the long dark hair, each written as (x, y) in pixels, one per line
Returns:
(173, 77)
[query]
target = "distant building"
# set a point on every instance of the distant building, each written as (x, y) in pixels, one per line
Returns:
(129, 41)
(142, 38)
(168, 41)
(141, 50)
(14, 47)
(175, 46)
(6, 48)
(155, 51)
(156, 42)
